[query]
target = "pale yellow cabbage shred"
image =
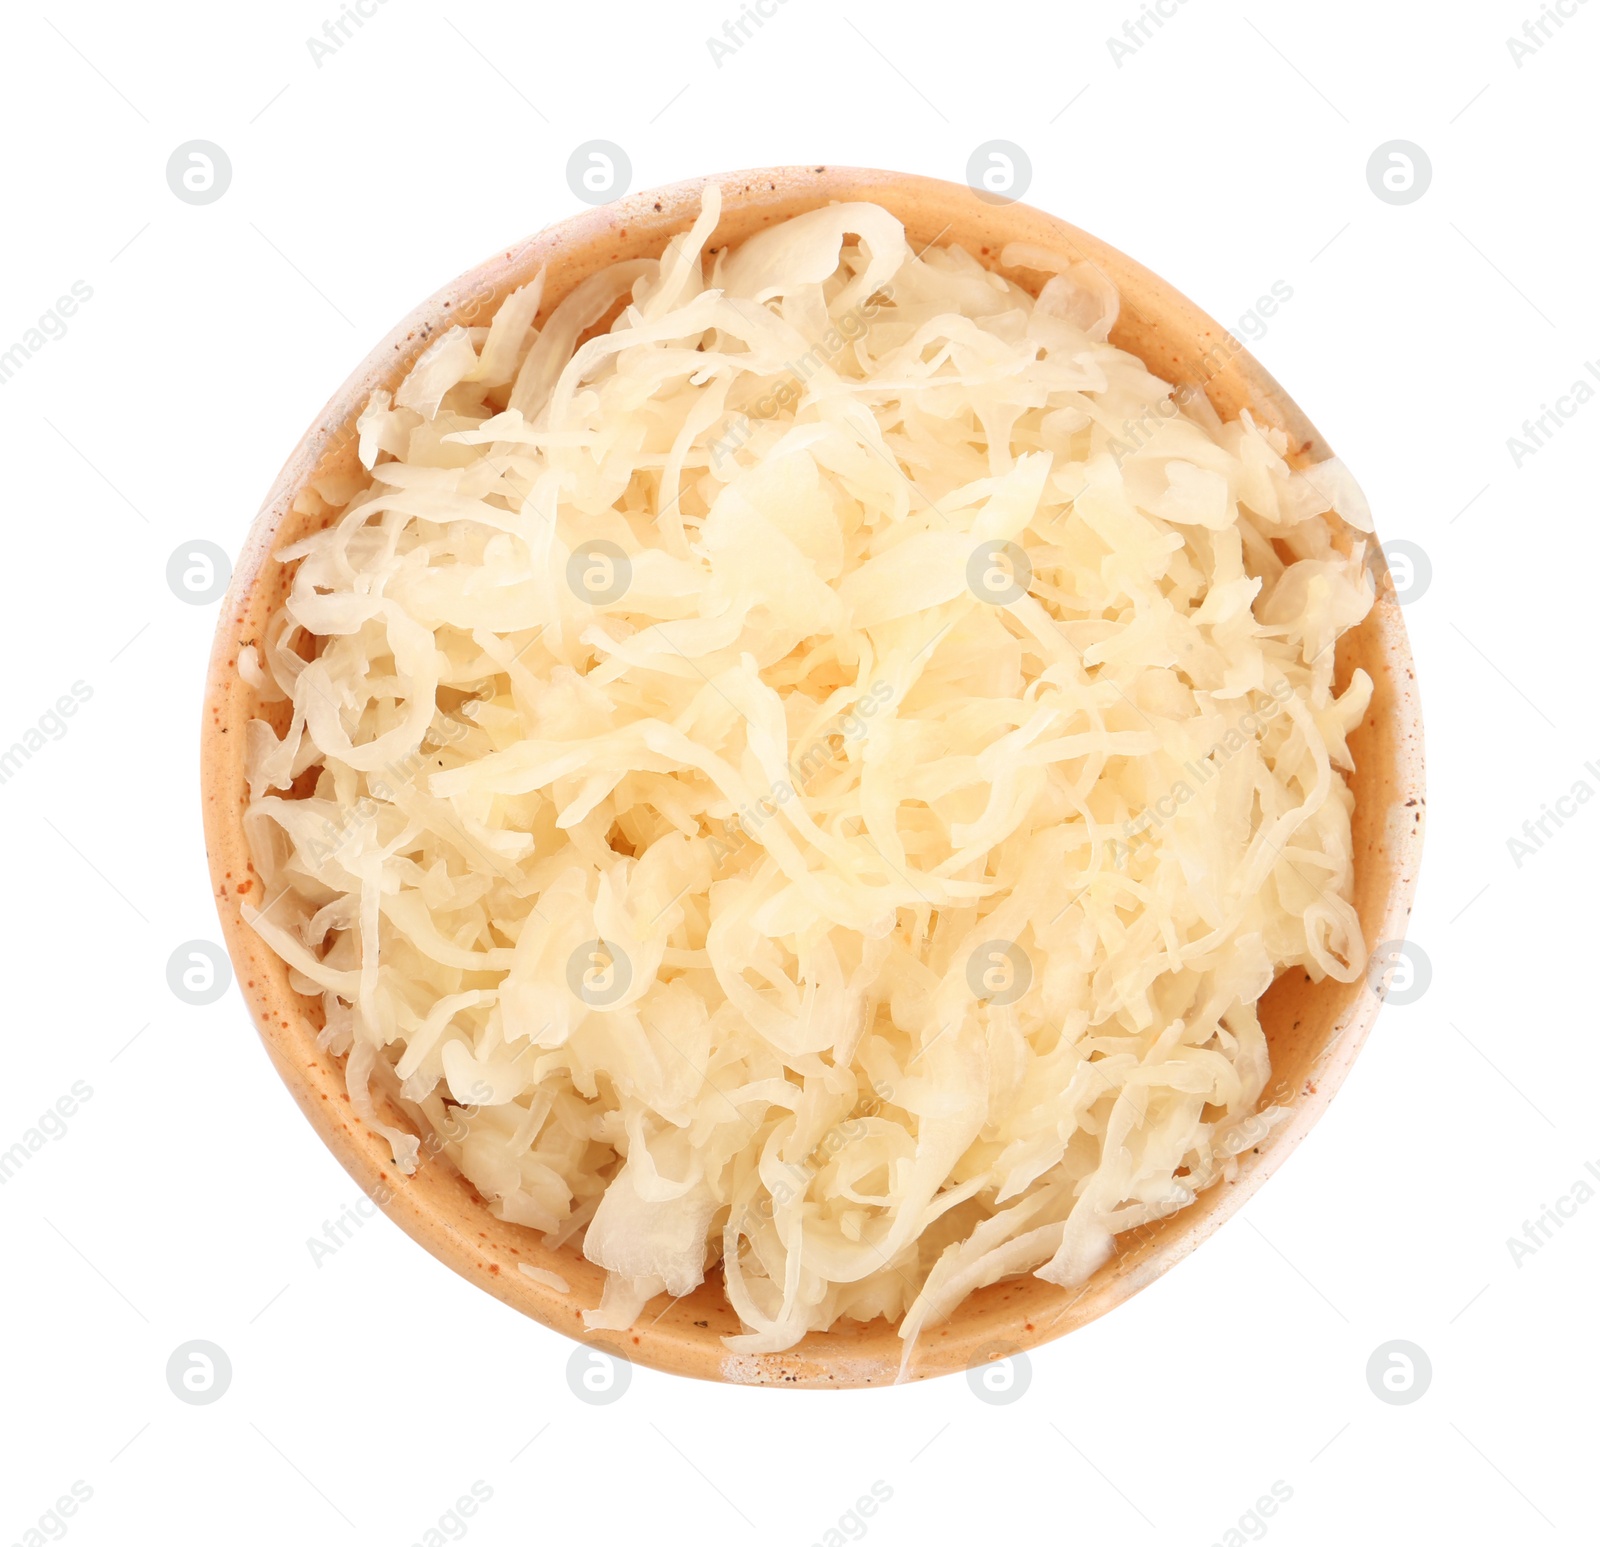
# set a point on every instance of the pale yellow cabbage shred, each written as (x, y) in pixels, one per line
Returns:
(829, 803)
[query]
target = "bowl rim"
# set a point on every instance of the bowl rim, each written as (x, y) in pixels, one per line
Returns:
(437, 1207)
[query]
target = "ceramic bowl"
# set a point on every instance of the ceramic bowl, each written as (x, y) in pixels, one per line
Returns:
(1314, 1029)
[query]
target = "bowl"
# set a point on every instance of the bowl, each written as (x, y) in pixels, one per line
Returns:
(1314, 1029)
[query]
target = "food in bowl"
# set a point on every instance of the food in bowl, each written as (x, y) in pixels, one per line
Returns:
(803, 765)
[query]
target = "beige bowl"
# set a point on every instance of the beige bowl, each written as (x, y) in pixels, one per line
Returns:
(1314, 1030)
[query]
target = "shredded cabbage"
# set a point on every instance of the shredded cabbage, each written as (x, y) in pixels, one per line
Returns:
(814, 778)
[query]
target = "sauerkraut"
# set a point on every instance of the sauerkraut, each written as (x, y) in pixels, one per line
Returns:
(810, 780)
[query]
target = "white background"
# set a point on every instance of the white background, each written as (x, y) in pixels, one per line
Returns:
(1228, 152)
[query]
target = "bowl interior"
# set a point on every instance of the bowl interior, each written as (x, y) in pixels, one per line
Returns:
(1313, 1029)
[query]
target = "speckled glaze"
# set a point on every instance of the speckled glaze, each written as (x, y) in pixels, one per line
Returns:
(1314, 1030)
